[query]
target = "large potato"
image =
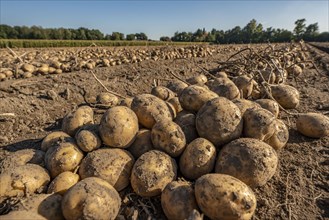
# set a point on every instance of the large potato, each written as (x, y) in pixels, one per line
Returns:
(197, 159)
(224, 87)
(224, 197)
(186, 121)
(250, 160)
(269, 105)
(287, 96)
(64, 157)
(178, 200)
(245, 85)
(88, 139)
(47, 206)
(313, 125)
(152, 172)
(118, 127)
(112, 165)
(91, 198)
(63, 182)
(197, 80)
(22, 180)
(258, 123)
(106, 99)
(150, 109)
(142, 144)
(244, 104)
(176, 86)
(280, 137)
(54, 138)
(219, 121)
(74, 121)
(167, 136)
(175, 102)
(163, 93)
(192, 98)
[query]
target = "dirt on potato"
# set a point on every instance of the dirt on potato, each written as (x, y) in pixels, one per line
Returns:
(33, 107)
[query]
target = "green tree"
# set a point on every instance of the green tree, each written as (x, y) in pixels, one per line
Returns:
(299, 29)
(311, 32)
(130, 37)
(165, 38)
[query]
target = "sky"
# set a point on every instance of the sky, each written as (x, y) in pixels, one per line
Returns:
(162, 18)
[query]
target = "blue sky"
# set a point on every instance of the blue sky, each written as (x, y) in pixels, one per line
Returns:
(162, 18)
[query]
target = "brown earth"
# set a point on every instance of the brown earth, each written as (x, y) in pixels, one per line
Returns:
(299, 188)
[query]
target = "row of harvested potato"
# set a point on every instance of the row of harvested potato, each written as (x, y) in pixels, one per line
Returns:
(202, 132)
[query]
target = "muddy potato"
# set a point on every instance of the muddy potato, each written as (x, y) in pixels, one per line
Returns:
(163, 93)
(91, 198)
(47, 206)
(197, 159)
(176, 86)
(193, 97)
(74, 121)
(19, 180)
(280, 137)
(258, 123)
(244, 104)
(54, 138)
(63, 182)
(224, 87)
(224, 197)
(118, 127)
(112, 165)
(186, 121)
(152, 172)
(197, 80)
(172, 109)
(245, 85)
(178, 200)
(313, 125)
(142, 143)
(220, 74)
(250, 160)
(219, 121)
(64, 157)
(294, 70)
(22, 215)
(175, 102)
(167, 136)
(270, 105)
(150, 109)
(107, 99)
(268, 75)
(126, 102)
(287, 96)
(87, 138)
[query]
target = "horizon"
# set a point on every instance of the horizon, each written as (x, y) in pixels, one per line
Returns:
(162, 18)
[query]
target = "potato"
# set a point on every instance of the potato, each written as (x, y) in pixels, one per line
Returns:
(74, 121)
(197, 80)
(47, 206)
(192, 98)
(224, 197)
(175, 102)
(22, 215)
(186, 121)
(152, 172)
(250, 160)
(244, 104)
(22, 180)
(64, 157)
(269, 76)
(280, 137)
(150, 109)
(178, 200)
(142, 143)
(87, 138)
(313, 125)
(197, 159)
(287, 96)
(91, 198)
(176, 86)
(118, 127)
(163, 93)
(258, 123)
(167, 136)
(107, 99)
(172, 110)
(245, 85)
(21, 157)
(219, 121)
(54, 138)
(224, 87)
(270, 105)
(126, 102)
(28, 68)
(63, 182)
(112, 165)
(221, 74)
(294, 70)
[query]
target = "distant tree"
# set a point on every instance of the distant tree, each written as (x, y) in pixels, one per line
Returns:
(117, 36)
(165, 38)
(299, 29)
(141, 36)
(311, 32)
(130, 37)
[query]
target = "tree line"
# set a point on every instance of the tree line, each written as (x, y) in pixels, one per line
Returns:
(253, 32)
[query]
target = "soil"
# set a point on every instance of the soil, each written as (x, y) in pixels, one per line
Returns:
(299, 188)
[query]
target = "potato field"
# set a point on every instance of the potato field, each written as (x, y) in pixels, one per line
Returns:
(165, 132)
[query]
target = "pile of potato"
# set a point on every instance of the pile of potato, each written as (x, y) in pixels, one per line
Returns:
(197, 144)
